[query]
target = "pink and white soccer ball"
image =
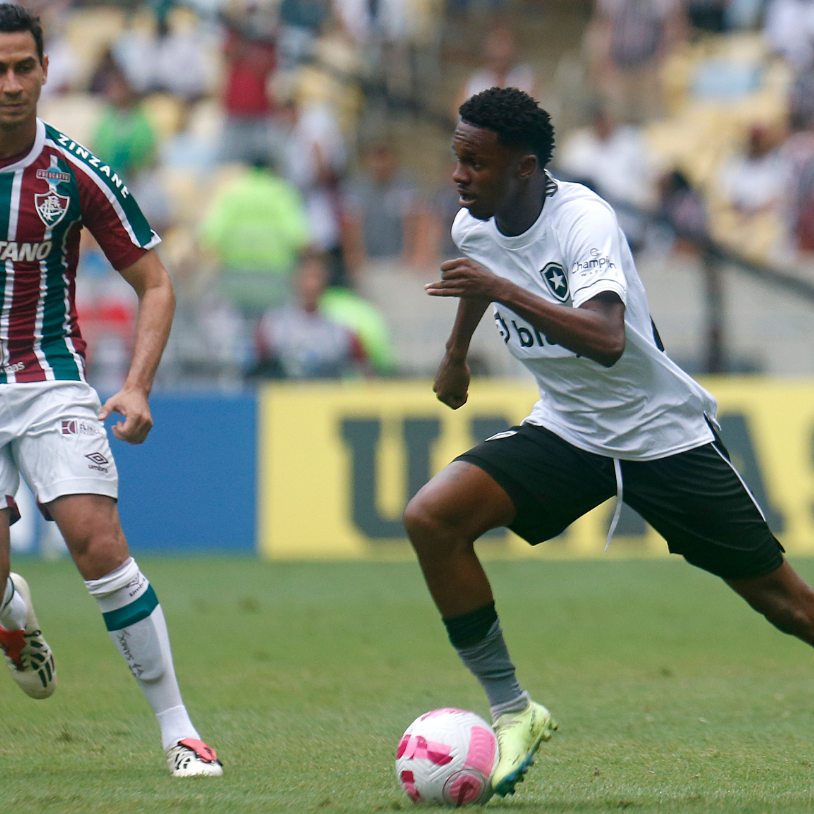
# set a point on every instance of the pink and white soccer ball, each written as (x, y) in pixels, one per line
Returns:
(447, 757)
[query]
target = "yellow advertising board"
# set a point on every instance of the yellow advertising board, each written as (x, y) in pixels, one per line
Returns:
(338, 463)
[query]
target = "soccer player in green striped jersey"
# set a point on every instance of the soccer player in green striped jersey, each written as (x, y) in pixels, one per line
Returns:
(51, 426)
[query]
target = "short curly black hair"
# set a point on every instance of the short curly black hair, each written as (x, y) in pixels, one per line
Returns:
(14, 18)
(516, 118)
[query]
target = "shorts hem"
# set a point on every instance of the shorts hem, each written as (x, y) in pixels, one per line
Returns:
(752, 573)
(78, 486)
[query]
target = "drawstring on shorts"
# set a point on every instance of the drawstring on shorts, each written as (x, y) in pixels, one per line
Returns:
(617, 471)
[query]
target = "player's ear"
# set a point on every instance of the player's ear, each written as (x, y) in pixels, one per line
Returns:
(527, 166)
(44, 68)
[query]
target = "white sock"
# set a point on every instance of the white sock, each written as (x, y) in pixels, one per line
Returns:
(137, 627)
(12, 608)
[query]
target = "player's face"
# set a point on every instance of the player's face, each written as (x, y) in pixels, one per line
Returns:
(22, 76)
(485, 171)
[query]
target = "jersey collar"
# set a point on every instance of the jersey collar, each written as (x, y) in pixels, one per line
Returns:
(32, 155)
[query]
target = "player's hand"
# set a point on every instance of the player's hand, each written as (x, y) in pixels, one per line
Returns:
(451, 385)
(138, 420)
(463, 277)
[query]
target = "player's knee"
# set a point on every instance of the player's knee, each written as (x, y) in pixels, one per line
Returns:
(97, 553)
(424, 524)
(418, 520)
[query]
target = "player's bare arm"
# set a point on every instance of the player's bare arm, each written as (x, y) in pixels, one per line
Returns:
(451, 384)
(156, 298)
(595, 330)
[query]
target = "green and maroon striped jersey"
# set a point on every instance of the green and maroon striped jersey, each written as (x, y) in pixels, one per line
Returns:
(46, 198)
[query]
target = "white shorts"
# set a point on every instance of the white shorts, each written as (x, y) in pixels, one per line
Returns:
(50, 434)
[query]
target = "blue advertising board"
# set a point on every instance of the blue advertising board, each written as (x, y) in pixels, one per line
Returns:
(191, 486)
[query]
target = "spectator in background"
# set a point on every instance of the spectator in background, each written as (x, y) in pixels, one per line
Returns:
(252, 129)
(382, 212)
(124, 137)
(789, 29)
(683, 210)
(255, 229)
(627, 43)
(300, 24)
(797, 153)
(751, 186)
(315, 160)
(500, 69)
(62, 62)
(299, 341)
(168, 58)
(108, 310)
(707, 15)
(365, 320)
(613, 160)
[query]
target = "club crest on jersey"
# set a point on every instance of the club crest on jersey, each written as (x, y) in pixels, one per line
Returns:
(556, 280)
(51, 207)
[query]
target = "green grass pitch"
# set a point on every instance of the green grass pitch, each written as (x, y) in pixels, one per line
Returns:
(672, 695)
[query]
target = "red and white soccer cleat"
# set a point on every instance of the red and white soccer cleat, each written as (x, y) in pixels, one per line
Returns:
(193, 758)
(28, 656)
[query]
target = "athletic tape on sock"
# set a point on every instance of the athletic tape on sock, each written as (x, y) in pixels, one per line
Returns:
(125, 596)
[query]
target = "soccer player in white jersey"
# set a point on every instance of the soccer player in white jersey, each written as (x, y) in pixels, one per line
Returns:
(51, 428)
(615, 417)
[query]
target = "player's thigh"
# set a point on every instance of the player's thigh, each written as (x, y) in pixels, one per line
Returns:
(461, 501)
(92, 531)
(9, 514)
(550, 482)
(5, 548)
(9, 483)
(64, 449)
(699, 503)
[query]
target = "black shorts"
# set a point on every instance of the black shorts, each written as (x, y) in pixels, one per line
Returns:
(696, 500)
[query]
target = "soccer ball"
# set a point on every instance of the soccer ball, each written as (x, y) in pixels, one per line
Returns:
(447, 757)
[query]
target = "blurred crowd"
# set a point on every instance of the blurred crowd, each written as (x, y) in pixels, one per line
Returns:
(281, 149)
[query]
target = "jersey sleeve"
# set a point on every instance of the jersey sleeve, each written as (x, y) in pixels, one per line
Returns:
(113, 217)
(460, 229)
(593, 252)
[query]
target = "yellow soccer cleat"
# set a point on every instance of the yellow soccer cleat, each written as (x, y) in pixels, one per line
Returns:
(519, 735)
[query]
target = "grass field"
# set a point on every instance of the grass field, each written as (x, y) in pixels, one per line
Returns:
(672, 695)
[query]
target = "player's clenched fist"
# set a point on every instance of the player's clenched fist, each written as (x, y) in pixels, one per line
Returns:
(451, 385)
(463, 277)
(138, 420)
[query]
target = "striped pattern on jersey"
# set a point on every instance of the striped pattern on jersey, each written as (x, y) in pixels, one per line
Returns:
(45, 200)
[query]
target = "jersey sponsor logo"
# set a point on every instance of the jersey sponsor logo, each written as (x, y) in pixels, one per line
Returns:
(75, 426)
(556, 280)
(15, 368)
(596, 263)
(51, 207)
(526, 335)
(21, 252)
(54, 176)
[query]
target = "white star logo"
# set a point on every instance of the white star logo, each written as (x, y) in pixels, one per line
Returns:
(557, 280)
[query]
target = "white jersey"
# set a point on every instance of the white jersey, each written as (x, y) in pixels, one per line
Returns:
(643, 407)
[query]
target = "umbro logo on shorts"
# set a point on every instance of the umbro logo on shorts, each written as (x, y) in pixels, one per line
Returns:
(97, 461)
